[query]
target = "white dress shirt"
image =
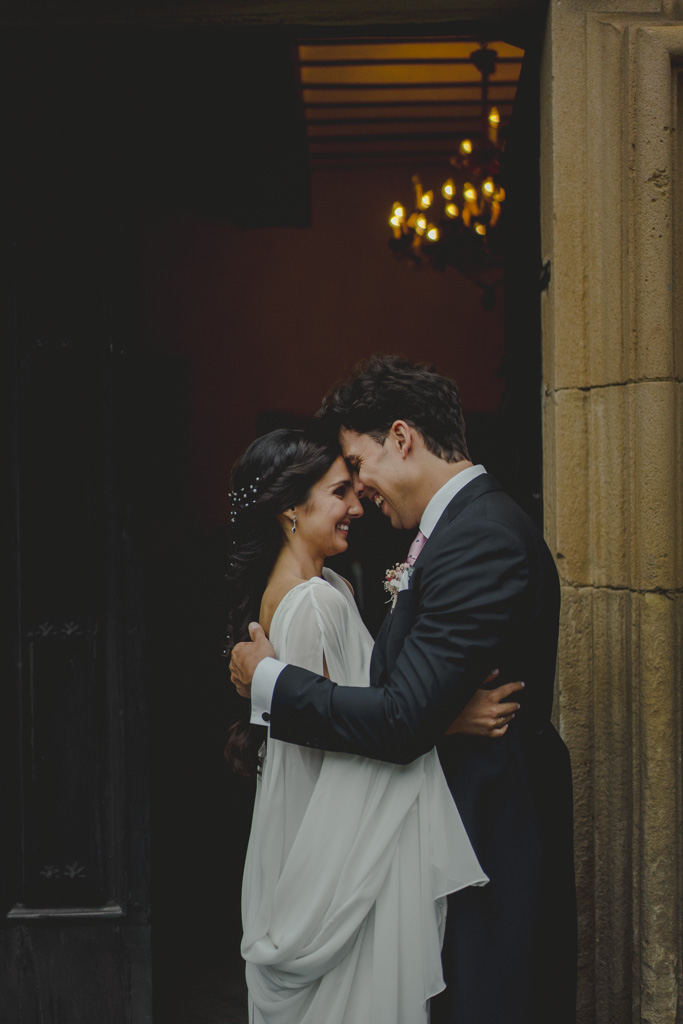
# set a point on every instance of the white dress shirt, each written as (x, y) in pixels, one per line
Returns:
(268, 670)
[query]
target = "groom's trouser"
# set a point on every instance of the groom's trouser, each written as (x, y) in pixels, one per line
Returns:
(509, 954)
(488, 954)
(496, 969)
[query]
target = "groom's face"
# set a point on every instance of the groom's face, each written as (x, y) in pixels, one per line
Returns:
(380, 474)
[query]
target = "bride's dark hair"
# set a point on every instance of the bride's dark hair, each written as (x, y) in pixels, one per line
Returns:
(276, 472)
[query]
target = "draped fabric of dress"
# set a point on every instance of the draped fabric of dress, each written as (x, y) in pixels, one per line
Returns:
(349, 859)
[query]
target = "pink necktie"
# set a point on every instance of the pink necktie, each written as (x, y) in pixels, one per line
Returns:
(416, 547)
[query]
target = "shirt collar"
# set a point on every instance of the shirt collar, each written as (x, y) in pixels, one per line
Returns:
(443, 497)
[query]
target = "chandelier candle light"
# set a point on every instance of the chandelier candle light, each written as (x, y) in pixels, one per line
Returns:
(466, 233)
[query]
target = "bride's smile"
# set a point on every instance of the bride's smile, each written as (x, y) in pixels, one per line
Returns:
(322, 523)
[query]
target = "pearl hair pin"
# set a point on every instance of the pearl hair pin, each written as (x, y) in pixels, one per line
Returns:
(243, 497)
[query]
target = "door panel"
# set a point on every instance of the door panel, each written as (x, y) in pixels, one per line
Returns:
(75, 896)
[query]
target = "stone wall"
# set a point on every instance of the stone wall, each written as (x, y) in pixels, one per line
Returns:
(613, 365)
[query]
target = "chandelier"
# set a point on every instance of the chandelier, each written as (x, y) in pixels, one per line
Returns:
(462, 228)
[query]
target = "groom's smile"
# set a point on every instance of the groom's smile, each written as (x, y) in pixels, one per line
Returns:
(380, 474)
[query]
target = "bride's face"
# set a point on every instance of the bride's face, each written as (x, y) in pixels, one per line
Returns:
(323, 523)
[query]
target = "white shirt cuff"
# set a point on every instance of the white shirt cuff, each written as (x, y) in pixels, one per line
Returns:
(262, 686)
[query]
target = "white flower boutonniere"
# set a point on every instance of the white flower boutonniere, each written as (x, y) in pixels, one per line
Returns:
(393, 578)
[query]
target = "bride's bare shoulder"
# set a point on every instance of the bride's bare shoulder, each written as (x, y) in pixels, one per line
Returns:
(276, 590)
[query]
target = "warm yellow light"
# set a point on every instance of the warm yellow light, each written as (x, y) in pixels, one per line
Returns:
(488, 187)
(448, 189)
(395, 222)
(433, 233)
(398, 211)
(426, 199)
(421, 224)
(500, 195)
(466, 146)
(470, 193)
(451, 210)
(480, 229)
(494, 125)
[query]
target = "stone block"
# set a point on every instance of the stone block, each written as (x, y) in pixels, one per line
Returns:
(595, 716)
(614, 490)
(574, 718)
(612, 802)
(619, 709)
(563, 222)
(570, 454)
(677, 444)
(657, 632)
(607, 264)
(609, 469)
(651, 220)
(656, 450)
(549, 474)
(614, 234)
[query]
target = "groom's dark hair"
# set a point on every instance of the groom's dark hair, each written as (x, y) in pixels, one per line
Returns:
(387, 388)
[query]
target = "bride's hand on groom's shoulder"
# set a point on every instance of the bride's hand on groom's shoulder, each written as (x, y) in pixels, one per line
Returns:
(488, 712)
(246, 656)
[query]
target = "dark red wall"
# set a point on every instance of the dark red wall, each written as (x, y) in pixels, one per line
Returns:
(268, 318)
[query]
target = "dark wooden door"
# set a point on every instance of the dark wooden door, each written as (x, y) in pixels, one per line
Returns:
(75, 941)
(103, 131)
(75, 923)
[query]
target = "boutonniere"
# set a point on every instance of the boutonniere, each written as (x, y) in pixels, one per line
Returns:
(393, 578)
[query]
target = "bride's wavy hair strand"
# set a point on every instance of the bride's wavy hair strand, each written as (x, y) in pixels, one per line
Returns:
(277, 472)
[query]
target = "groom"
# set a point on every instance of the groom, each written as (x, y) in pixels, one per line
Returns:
(482, 591)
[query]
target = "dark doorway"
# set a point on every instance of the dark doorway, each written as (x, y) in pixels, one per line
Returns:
(246, 325)
(186, 271)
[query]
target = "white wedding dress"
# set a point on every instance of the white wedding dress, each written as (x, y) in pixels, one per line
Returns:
(349, 859)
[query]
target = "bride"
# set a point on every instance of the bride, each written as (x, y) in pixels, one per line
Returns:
(349, 860)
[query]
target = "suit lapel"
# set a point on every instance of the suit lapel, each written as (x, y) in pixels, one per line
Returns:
(395, 623)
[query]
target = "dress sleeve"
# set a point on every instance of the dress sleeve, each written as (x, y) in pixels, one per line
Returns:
(314, 633)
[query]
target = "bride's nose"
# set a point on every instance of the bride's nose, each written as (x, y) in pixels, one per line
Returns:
(356, 509)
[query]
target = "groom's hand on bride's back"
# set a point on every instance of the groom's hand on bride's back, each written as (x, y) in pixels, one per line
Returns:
(246, 656)
(488, 712)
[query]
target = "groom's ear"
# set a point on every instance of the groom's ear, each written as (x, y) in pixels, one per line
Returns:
(401, 435)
